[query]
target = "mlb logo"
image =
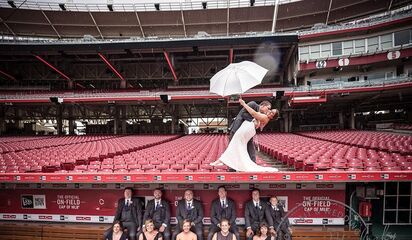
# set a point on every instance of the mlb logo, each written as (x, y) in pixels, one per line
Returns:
(61, 217)
(220, 177)
(189, 178)
(97, 178)
(42, 178)
(352, 176)
(157, 178)
(318, 176)
(25, 217)
(18, 178)
(127, 178)
(101, 219)
(385, 176)
(253, 177)
(325, 221)
(286, 177)
(69, 178)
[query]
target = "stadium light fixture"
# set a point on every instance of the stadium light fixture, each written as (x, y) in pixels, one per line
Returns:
(12, 4)
(62, 6)
(252, 3)
(110, 7)
(204, 5)
(157, 6)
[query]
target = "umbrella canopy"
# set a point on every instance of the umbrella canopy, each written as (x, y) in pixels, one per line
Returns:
(237, 78)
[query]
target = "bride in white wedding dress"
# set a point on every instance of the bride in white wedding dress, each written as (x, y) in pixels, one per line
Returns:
(236, 155)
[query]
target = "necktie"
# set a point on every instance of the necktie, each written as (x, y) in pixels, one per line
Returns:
(127, 202)
(257, 206)
(223, 204)
(157, 205)
(188, 206)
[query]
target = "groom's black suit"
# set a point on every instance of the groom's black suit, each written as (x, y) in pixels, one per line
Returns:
(242, 116)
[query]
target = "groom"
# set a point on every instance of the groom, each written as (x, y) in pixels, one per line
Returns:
(243, 115)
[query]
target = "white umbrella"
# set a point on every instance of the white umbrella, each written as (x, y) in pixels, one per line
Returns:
(237, 78)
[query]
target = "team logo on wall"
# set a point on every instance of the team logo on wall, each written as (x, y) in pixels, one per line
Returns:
(33, 201)
(321, 64)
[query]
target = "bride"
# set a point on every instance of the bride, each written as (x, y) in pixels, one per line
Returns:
(236, 155)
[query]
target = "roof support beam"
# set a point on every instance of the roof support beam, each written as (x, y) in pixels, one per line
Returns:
(7, 26)
(183, 20)
(275, 15)
(138, 20)
(327, 16)
(231, 55)
(51, 24)
(228, 17)
(390, 5)
(95, 24)
(8, 75)
(170, 65)
(111, 66)
(52, 67)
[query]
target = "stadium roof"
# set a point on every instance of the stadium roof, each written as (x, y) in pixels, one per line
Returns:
(125, 19)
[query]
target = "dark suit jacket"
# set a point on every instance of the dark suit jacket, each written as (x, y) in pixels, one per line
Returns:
(242, 116)
(253, 216)
(195, 214)
(217, 212)
(274, 217)
(136, 208)
(161, 215)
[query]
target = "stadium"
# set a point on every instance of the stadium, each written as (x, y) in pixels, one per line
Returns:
(100, 95)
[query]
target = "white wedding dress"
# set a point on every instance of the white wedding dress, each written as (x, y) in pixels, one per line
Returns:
(236, 155)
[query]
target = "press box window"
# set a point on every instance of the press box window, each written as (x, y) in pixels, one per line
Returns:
(304, 53)
(315, 51)
(373, 44)
(360, 46)
(402, 37)
(325, 50)
(347, 48)
(337, 48)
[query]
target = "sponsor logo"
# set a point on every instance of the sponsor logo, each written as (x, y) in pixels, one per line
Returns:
(9, 216)
(27, 201)
(352, 176)
(97, 178)
(157, 178)
(101, 219)
(69, 178)
(286, 177)
(61, 217)
(325, 221)
(277, 185)
(253, 177)
(18, 178)
(41, 217)
(319, 176)
(189, 178)
(25, 217)
(385, 176)
(127, 178)
(43, 178)
(324, 185)
(220, 177)
(80, 218)
(303, 220)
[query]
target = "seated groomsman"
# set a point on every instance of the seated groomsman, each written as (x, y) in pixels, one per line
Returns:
(191, 209)
(254, 214)
(277, 220)
(158, 210)
(222, 208)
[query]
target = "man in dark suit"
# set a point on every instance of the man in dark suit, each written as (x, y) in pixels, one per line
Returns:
(243, 115)
(277, 220)
(158, 210)
(189, 208)
(254, 213)
(129, 213)
(222, 208)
